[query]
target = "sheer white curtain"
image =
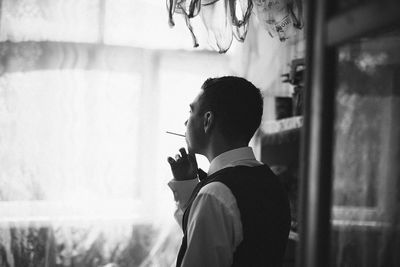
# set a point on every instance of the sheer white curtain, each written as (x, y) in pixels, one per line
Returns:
(83, 148)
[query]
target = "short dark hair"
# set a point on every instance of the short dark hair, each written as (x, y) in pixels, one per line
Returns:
(236, 103)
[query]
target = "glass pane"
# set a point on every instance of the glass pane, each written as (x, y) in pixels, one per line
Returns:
(366, 187)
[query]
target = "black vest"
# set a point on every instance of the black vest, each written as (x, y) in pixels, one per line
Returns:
(264, 213)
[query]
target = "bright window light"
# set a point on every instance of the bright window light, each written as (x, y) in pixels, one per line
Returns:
(69, 137)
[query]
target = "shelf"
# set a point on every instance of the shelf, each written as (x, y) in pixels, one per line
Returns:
(280, 141)
(272, 127)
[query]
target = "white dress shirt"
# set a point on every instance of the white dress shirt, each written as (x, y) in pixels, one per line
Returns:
(214, 228)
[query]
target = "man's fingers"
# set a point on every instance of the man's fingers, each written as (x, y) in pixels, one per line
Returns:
(184, 165)
(192, 159)
(183, 152)
(171, 161)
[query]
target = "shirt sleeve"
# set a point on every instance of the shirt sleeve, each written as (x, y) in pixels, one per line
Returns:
(212, 232)
(182, 191)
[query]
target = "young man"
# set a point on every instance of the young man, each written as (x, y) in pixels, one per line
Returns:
(238, 213)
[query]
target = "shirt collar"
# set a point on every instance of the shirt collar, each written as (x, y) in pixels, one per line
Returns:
(231, 158)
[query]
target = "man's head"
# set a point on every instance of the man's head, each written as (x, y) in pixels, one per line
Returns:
(230, 106)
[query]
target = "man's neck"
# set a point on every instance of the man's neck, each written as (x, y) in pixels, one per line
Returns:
(218, 146)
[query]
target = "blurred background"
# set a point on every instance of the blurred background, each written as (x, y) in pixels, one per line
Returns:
(87, 90)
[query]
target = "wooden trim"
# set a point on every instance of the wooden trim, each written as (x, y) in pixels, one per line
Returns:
(366, 19)
(316, 144)
(43, 211)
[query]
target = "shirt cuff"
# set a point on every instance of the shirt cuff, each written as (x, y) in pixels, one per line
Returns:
(182, 191)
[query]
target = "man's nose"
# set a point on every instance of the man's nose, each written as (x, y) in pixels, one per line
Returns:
(186, 122)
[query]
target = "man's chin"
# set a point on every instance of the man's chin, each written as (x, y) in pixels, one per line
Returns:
(189, 147)
(191, 150)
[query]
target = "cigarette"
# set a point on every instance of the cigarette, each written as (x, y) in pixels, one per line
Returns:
(182, 135)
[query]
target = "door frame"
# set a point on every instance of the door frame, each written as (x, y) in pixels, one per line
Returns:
(325, 31)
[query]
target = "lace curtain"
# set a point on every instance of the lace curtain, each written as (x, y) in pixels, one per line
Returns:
(83, 148)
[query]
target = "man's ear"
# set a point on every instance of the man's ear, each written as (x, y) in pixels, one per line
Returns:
(209, 120)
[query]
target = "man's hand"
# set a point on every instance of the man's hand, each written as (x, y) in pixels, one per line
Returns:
(184, 166)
